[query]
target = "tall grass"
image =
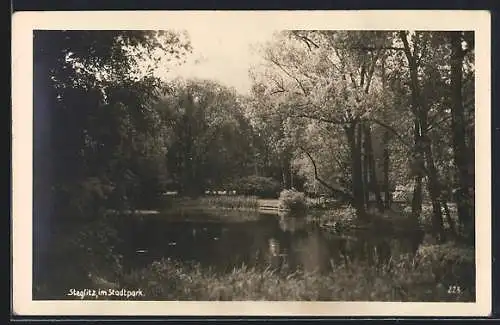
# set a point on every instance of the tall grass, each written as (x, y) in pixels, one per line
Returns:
(219, 202)
(230, 202)
(168, 280)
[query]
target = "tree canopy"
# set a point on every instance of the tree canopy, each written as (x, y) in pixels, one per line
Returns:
(366, 111)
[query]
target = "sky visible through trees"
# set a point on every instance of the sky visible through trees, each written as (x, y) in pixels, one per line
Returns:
(221, 57)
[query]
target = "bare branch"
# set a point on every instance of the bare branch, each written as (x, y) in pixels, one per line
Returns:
(333, 64)
(363, 73)
(407, 50)
(393, 131)
(341, 58)
(437, 123)
(306, 40)
(279, 86)
(353, 80)
(277, 91)
(372, 48)
(273, 60)
(371, 71)
(312, 117)
(334, 189)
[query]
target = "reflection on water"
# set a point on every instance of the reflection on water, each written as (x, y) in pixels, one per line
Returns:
(268, 241)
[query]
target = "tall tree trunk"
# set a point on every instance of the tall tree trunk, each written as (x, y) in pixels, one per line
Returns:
(283, 175)
(372, 170)
(416, 202)
(434, 189)
(420, 112)
(418, 169)
(352, 132)
(448, 217)
(463, 197)
(387, 185)
(362, 186)
(285, 170)
(386, 154)
(365, 165)
(433, 185)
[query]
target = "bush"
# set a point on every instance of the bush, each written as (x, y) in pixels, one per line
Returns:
(451, 264)
(292, 200)
(264, 187)
(88, 248)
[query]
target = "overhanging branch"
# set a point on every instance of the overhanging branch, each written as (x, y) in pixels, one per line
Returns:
(392, 130)
(338, 190)
(299, 83)
(306, 40)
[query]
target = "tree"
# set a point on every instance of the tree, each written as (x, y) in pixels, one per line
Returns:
(211, 139)
(385, 96)
(462, 156)
(331, 81)
(420, 109)
(435, 76)
(274, 150)
(97, 138)
(94, 118)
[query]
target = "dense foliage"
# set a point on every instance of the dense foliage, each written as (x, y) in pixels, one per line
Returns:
(363, 114)
(264, 187)
(293, 200)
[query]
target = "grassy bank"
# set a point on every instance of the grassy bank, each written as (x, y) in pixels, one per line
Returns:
(438, 273)
(247, 203)
(430, 279)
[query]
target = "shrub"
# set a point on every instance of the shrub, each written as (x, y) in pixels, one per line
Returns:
(88, 249)
(293, 200)
(451, 264)
(83, 199)
(264, 187)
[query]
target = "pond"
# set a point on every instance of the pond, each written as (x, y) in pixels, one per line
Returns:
(259, 240)
(246, 255)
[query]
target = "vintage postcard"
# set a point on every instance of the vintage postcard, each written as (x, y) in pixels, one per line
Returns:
(271, 163)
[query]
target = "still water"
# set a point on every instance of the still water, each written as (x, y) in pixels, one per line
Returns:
(261, 241)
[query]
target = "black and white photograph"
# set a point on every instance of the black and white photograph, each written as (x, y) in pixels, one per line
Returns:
(256, 158)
